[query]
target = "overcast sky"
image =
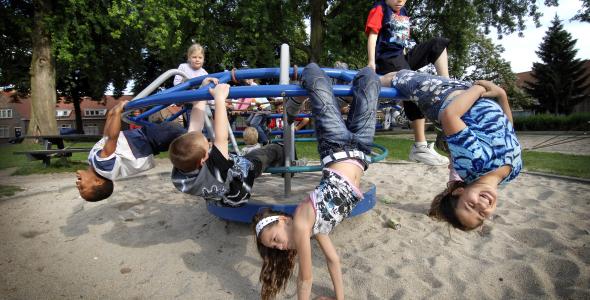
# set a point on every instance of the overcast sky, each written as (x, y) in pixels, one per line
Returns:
(520, 51)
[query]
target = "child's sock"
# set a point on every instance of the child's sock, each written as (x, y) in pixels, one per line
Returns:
(421, 144)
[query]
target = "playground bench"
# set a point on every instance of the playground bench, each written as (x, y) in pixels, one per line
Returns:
(49, 140)
(47, 155)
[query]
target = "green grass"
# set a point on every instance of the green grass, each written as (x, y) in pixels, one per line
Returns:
(25, 167)
(557, 163)
(399, 148)
(9, 190)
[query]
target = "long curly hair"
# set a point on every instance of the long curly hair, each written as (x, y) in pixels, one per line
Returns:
(443, 206)
(277, 265)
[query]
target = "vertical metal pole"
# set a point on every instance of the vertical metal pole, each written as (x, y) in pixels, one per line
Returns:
(288, 130)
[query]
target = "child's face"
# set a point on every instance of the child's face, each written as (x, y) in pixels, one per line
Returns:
(277, 236)
(86, 180)
(396, 5)
(196, 60)
(476, 203)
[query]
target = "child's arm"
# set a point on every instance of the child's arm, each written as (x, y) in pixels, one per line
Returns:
(112, 129)
(333, 262)
(371, 45)
(305, 277)
(198, 111)
(220, 123)
(451, 116)
(494, 91)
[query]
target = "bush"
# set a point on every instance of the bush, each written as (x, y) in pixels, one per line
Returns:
(577, 121)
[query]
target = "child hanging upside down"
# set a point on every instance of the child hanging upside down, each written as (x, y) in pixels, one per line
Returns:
(213, 173)
(484, 149)
(343, 147)
(120, 154)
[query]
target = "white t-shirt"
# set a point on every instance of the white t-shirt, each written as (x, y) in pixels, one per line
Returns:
(192, 73)
(264, 104)
(124, 161)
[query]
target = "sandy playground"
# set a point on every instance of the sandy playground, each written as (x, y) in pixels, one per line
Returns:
(149, 241)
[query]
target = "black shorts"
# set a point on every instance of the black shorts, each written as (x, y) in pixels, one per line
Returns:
(421, 55)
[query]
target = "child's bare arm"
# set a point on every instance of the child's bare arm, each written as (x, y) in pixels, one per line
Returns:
(494, 91)
(451, 116)
(112, 129)
(221, 122)
(371, 45)
(333, 262)
(198, 111)
(387, 79)
(305, 277)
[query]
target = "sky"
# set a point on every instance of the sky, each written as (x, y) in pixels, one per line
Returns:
(520, 51)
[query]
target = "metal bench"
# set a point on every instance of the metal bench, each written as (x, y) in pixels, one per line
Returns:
(47, 155)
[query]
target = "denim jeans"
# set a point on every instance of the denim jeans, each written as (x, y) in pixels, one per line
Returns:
(333, 133)
(161, 135)
(258, 121)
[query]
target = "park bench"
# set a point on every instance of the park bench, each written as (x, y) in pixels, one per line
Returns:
(62, 152)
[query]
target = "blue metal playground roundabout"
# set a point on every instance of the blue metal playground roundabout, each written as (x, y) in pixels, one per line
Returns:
(266, 191)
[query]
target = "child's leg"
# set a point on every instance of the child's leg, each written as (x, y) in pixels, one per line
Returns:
(433, 51)
(262, 158)
(362, 115)
(330, 129)
(161, 135)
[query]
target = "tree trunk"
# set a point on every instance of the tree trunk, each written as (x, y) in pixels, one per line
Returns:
(43, 97)
(317, 29)
(78, 112)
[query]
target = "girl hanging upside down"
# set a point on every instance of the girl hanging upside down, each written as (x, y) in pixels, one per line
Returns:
(483, 146)
(343, 148)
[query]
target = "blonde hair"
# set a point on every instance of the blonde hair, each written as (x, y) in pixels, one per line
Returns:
(187, 151)
(195, 48)
(277, 265)
(250, 136)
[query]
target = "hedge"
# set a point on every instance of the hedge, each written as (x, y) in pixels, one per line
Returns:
(576, 121)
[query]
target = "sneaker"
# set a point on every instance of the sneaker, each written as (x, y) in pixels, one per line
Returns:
(300, 162)
(427, 155)
(292, 107)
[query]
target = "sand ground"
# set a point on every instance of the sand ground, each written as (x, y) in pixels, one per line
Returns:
(149, 241)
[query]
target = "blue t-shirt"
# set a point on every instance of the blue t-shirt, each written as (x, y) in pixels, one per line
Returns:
(394, 34)
(487, 143)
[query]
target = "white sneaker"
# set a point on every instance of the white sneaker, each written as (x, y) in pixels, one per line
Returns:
(427, 155)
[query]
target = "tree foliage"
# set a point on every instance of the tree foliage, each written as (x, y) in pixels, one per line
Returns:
(485, 62)
(584, 12)
(559, 81)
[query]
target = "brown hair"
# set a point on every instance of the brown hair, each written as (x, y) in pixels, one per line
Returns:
(443, 206)
(100, 191)
(186, 151)
(250, 136)
(277, 265)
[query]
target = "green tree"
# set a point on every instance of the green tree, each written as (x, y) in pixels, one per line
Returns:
(559, 81)
(458, 20)
(485, 62)
(584, 12)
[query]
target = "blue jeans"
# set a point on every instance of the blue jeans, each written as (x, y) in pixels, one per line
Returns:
(258, 121)
(161, 135)
(333, 133)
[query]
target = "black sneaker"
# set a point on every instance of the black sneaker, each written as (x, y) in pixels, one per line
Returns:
(292, 107)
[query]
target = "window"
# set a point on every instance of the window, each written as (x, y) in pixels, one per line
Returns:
(66, 125)
(95, 112)
(6, 113)
(63, 113)
(91, 129)
(4, 131)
